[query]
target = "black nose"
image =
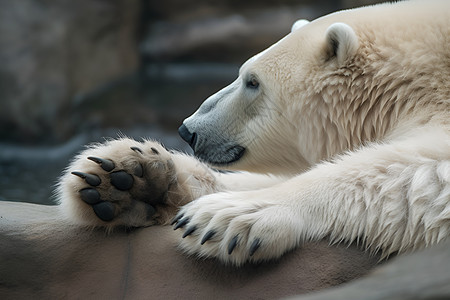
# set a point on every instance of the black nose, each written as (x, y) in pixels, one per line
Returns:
(186, 135)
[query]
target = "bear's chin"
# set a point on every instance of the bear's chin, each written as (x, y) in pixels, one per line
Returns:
(221, 157)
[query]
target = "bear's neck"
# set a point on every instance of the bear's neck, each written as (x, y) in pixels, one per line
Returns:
(375, 108)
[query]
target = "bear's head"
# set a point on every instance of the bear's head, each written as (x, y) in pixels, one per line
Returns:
(263, 121)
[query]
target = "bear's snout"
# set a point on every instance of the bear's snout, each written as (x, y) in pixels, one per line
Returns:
(187, 136)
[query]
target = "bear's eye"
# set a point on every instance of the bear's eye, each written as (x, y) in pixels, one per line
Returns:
(252, 83)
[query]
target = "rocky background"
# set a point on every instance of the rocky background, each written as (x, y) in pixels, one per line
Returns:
(72, 72)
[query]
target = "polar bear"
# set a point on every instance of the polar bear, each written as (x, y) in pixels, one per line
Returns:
(341, 130)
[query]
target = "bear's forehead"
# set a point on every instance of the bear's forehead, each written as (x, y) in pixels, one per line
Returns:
(265, 57)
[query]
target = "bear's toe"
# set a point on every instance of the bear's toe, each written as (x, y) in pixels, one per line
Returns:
(90, 179)
(121, 180)
(90, 196)
(106, 164)
(104, 210)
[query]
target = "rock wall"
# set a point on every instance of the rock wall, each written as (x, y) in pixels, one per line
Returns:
(66, 64)
(53, 50)
(229, 31)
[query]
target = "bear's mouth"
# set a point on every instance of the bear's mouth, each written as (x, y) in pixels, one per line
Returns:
(222, 155)
(216, 151)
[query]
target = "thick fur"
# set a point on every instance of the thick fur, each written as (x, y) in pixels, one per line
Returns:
(350, 114)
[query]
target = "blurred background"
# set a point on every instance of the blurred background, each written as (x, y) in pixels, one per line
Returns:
(76, 72)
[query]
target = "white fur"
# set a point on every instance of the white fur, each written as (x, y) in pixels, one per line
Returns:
(383, 129)
(357, 140)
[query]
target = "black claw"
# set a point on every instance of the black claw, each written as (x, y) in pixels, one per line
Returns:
(90, 179)
(233, 243)
(136, 149)
(104, 210)
(154, 150)
(255, 246)
(177, 217)
(106, 164)
(207, 236)
(122, 180)
(181, 223)
(138, 171)
(90, 196)
(189, 231)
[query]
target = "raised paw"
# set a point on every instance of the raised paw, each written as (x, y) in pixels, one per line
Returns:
(238, 227)
(122, 182)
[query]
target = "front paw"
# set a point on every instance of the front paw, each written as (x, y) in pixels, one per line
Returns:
(238, 227)
(123, 182)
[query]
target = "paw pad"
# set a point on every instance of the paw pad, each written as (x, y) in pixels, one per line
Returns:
(129, 186)
(90, 196)
(104, 210)
(121, 180)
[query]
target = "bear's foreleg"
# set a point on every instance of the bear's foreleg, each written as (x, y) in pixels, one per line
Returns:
(389, 197)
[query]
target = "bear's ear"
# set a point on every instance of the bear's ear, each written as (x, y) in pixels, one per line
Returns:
(298, 24)
(342, 42)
